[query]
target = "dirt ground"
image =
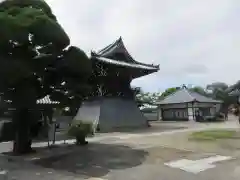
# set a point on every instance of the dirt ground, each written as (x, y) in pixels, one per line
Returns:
(181, 141)
(137, 155)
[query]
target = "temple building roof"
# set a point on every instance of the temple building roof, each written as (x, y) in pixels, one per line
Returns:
(186, 96)
(122, 63)
(117, 54)
(46, 100)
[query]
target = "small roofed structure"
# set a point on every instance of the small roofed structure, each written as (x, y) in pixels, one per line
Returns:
(185, 104)
(113, 105)
(46, 100)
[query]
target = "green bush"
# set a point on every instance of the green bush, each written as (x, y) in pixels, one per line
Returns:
(80, 131)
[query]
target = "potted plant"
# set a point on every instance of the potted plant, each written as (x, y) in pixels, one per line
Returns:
(80, 131)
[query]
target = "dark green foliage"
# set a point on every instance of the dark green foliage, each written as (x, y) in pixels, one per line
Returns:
(199, 90)
(38, 4)
(137, 91)
(76, 59)
(234, 87)
(26, 30)
(220, 92)
(35, 60)
(217, 85)
(34, 46)
(80, 130)
(169, 91)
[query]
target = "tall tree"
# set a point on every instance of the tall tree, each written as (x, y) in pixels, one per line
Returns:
(35, 59)
(234, 92)
(169, 91)
(137, 91)
(219, 90)
(217, 86)
(234, 89)
(199, 90)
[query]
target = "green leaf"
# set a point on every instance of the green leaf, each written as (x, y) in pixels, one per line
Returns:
(13, 71)
(37, 4)
(76, 61)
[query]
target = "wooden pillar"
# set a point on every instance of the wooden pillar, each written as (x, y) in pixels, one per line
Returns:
(238, 109)
(158, 112)
(193, 110)
(190, 110)
(187, 111)
(239, 114)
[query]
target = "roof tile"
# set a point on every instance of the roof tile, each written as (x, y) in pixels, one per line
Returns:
(184, 96)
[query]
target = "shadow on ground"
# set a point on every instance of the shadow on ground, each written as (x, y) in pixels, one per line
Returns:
(96, 160)
(154, 127)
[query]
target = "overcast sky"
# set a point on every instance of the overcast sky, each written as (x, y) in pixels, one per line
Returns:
(194, 41)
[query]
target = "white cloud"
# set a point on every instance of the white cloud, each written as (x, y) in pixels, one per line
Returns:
(195, 42)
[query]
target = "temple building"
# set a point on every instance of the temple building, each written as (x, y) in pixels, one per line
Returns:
(185, 105)
(112, 105)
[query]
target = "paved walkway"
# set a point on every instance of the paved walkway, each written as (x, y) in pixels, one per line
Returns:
(188, 127)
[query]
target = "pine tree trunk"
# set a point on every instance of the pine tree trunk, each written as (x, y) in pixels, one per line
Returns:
(24, 99)
(22, 141)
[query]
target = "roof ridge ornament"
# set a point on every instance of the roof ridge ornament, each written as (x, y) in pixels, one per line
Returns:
(184, 86)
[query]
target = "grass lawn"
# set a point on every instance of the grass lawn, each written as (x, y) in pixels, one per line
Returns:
(212, 135)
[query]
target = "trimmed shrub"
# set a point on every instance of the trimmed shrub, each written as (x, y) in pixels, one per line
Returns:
(80, 131)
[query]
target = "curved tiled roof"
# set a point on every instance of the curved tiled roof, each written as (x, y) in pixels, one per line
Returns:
(122, 63)
(185, 96)
(46, 100)
(110, 54)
